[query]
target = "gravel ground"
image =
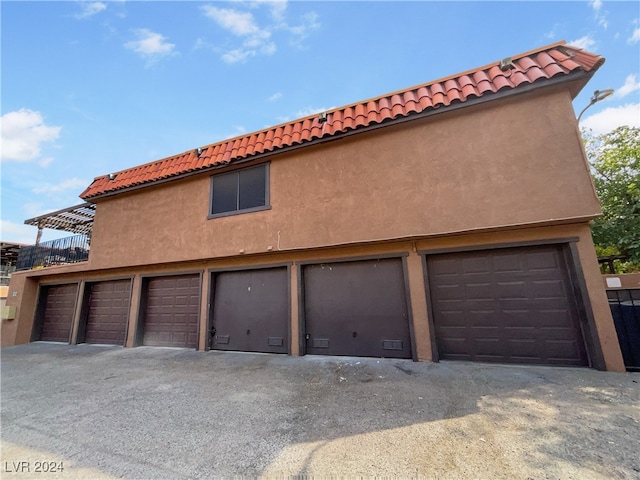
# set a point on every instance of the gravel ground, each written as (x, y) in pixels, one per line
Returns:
(155, 413)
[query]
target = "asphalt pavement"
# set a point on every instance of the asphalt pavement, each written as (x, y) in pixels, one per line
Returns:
(88, 411)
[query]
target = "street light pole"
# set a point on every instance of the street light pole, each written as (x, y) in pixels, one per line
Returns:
(597, 96)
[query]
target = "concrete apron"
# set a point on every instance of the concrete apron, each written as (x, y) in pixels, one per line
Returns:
(109, 412)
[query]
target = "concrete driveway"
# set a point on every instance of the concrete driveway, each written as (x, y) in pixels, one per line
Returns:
(152, 413)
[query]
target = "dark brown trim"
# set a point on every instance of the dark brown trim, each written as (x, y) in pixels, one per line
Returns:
(585, 310)
(494, 246)
(239, 212)
(487, 97)
(407, 299)
(83, 316)
(75, 306)
(142, 311)
(302, 321)
(210, 292)
(129, 319)
(360, 258)
(250, 267)
(435, 355)
(289, 330)
(54, 283)
(199, 310)
(146, 276)
(107, 279)
(38, 319)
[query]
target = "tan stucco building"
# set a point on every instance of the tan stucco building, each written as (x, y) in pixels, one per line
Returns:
(446, 221)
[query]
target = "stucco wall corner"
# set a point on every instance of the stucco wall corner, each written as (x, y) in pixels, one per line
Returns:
(23, 292)
(605, 327)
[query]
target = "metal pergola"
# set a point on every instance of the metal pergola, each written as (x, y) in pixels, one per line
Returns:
(77, 219)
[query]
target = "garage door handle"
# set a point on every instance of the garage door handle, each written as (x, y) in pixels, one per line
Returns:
(355, 334)
(248, 332)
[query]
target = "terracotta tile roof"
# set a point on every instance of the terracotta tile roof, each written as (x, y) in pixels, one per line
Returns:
(527, 68)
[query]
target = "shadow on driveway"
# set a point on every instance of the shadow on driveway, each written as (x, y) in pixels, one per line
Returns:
(109, 412)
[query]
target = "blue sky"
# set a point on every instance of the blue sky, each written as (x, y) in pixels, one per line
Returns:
(94, 87)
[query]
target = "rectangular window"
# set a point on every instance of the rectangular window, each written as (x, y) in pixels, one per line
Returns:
(245, 190)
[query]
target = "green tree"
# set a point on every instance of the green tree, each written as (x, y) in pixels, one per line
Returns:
(615, 167)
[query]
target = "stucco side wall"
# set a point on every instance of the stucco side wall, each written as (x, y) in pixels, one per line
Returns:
(18, 330)
(599, 302)
(514, 161)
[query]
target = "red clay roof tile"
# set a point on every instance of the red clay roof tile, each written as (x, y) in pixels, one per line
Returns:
(529, 67)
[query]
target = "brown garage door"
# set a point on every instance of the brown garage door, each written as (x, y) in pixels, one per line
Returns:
(171, 313)
(251, 311)
(513, 305)
(357, 308)
(57, 313)
(108, 312)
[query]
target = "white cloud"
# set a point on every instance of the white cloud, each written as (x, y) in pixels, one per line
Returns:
(238, 23)
(18, 232)
(305, 112)
(150, 45)
(612, 118)
(278, 8)
(275, 96)
(22, 133)
(602, 21)
(630, 86)
(256, 38)
(45, 162)
(303, 30)
(88, 9)
(241, 24)
(33, 209)
(585, 42)
(551, 34)
(237, 55)
(200, 43)
(26, 234)
(68, 184)
(238, 130)
(635, 36)
(600, 17)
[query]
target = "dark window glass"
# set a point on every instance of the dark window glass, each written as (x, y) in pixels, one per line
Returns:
(240, 190)
(252, 188)
(225, 193)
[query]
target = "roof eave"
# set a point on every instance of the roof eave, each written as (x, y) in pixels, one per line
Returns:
(576, 80)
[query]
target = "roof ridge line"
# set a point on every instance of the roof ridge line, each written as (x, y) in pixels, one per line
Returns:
(342, 107)
(480, 81)
(455, 75)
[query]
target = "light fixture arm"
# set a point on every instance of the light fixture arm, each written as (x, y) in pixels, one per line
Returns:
(597, 96)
